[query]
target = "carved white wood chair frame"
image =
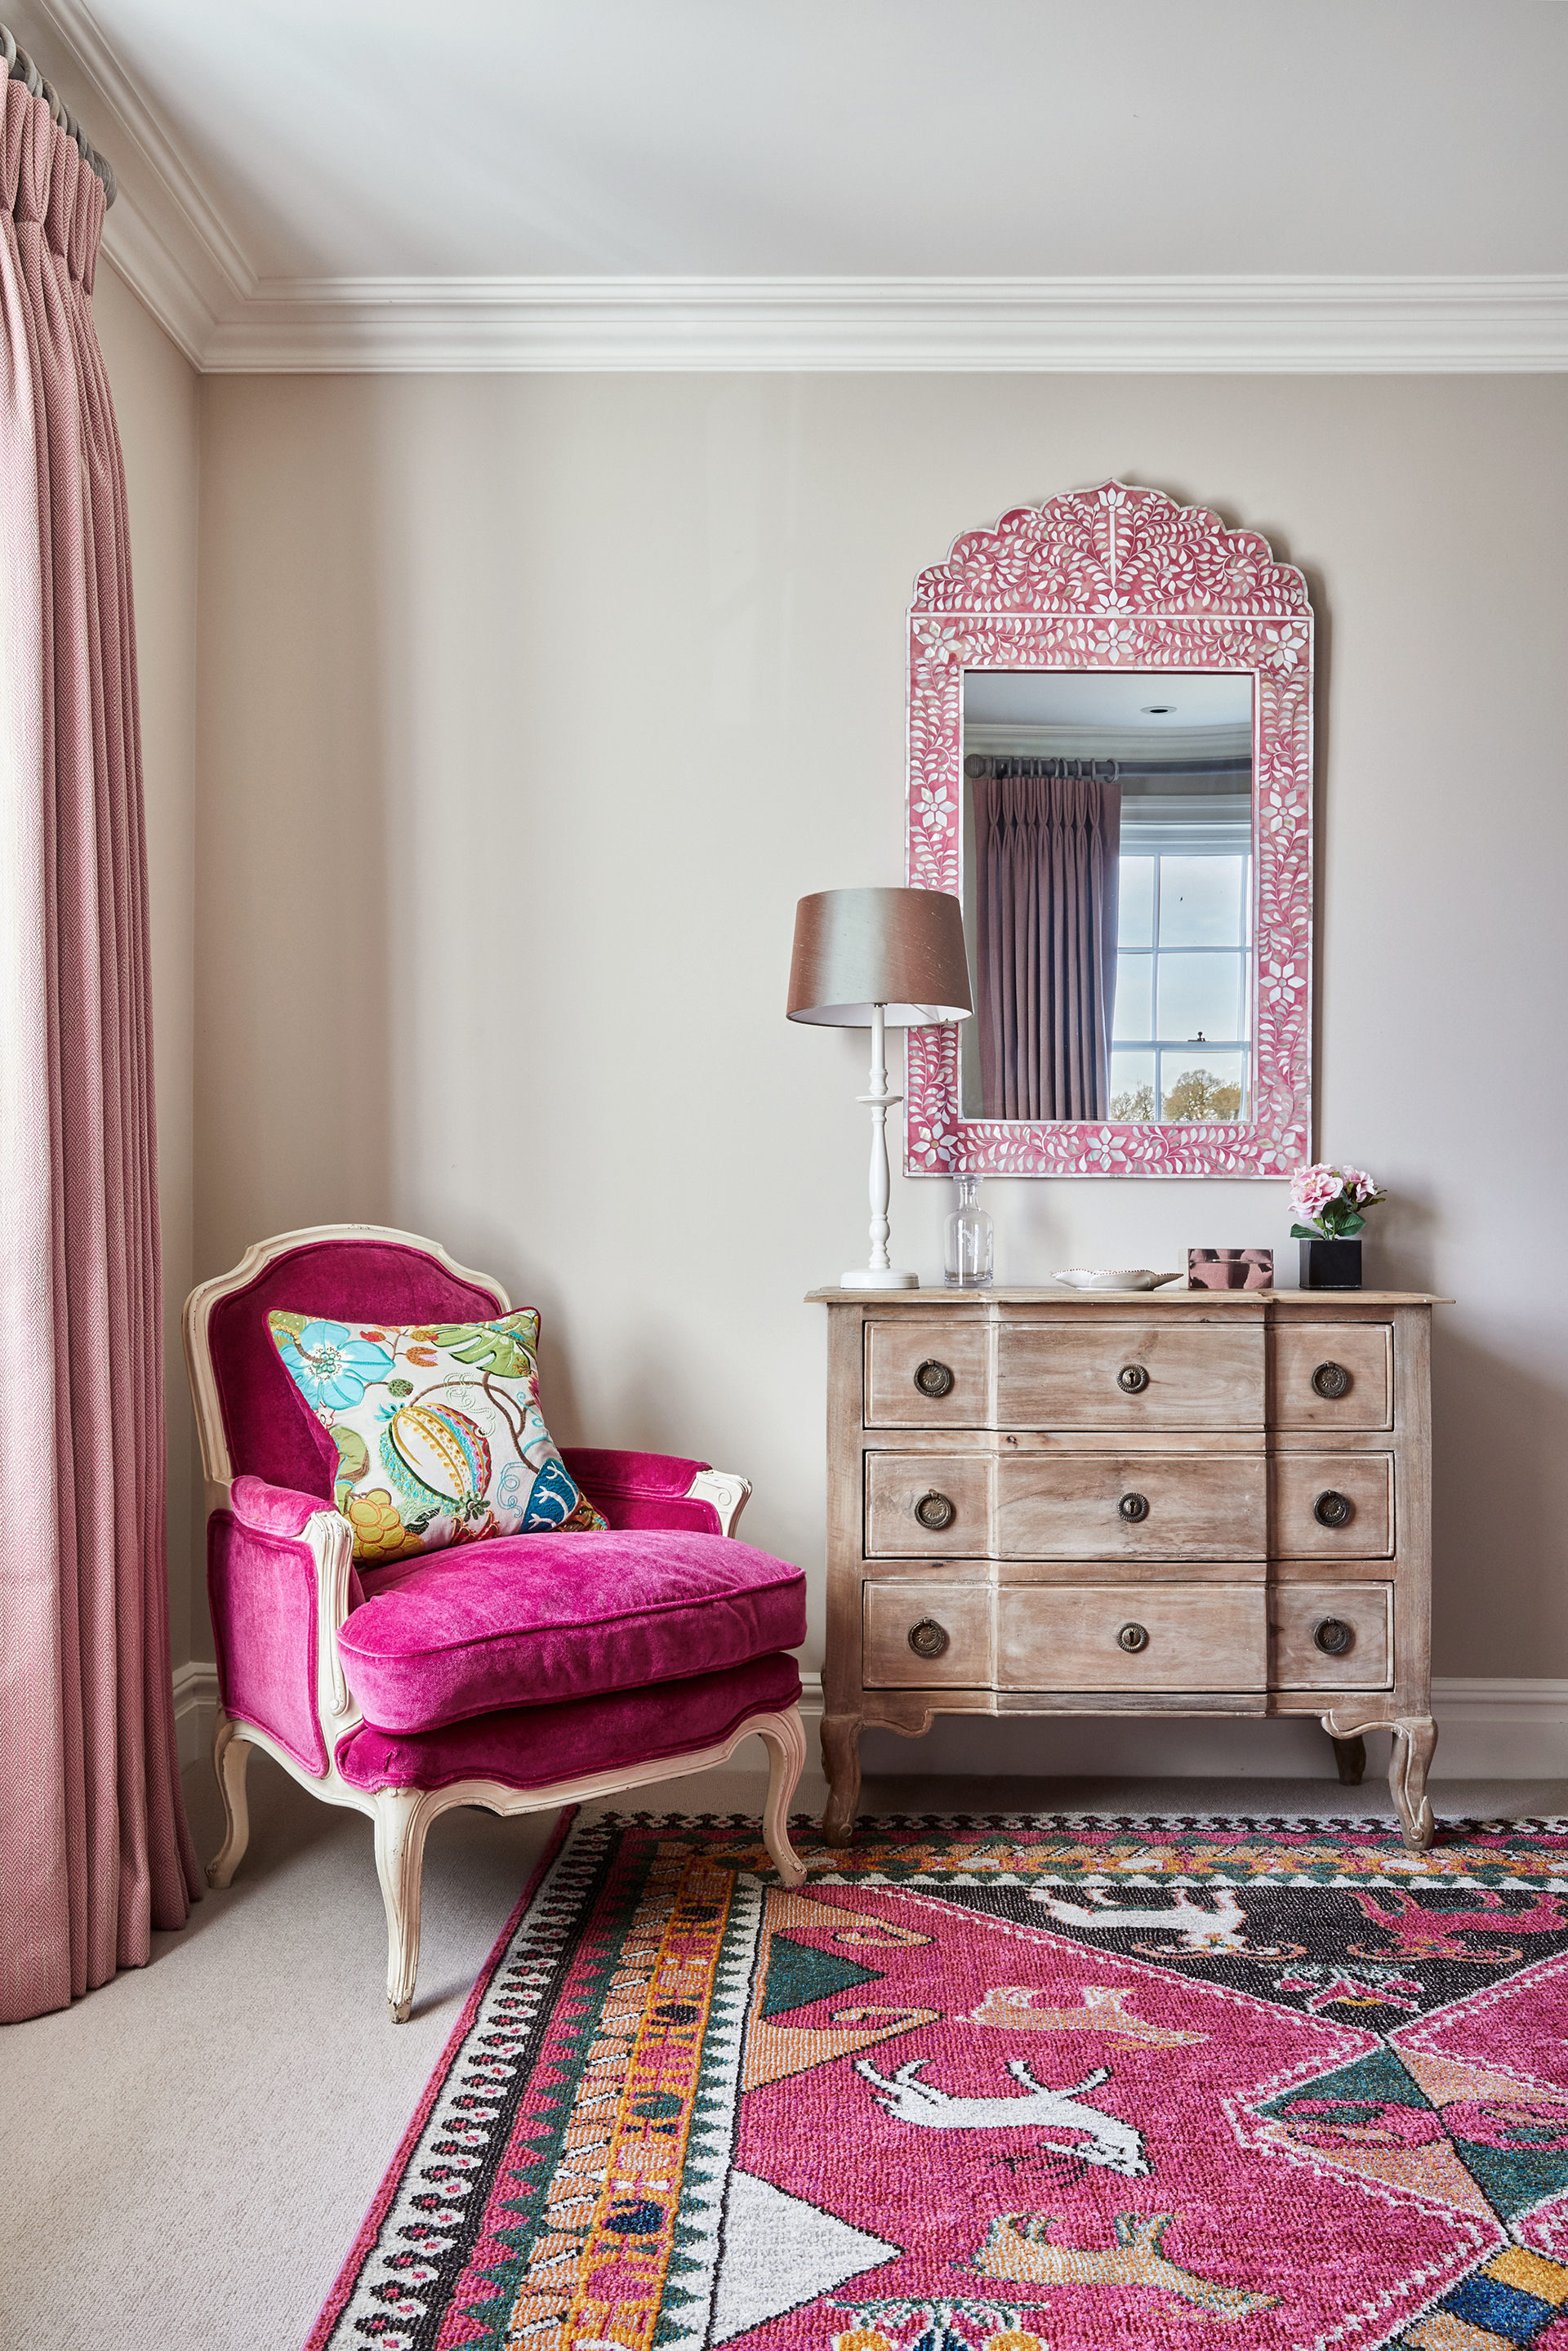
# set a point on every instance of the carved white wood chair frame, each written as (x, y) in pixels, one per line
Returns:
(403, 1816)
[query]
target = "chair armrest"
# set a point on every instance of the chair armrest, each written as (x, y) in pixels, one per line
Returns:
(273, 1509)
(632, 1473)
(658, 1489)
(281, 1580)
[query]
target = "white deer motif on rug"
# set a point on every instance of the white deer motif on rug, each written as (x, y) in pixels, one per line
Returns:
(1222, 1927)
(1107, 2141)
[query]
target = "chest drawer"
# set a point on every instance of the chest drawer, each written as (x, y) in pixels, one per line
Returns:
(1098, 1506)
(928, 1505)
(1331, 1636)
(923, 1635)
(926, 1373)
(1331, 1375)
(1132, 1637)
(1332, 1505)
(1131, 1373)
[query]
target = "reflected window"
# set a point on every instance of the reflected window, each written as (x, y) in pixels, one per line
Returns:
(1180, 1042)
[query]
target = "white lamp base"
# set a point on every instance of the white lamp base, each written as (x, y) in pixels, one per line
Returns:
(878, 1276)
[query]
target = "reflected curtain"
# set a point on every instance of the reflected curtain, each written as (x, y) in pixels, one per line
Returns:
(94, 1850)
(1045, 886)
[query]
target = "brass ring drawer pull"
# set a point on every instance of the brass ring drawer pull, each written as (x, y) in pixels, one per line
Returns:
(1133, 1379)
(1133, 1507)
(934, 1379)
(1332, 1509)
(928, 1639)
(1334, 1636)
(1132, 1637)
(1332, 1380)
(935, 1510)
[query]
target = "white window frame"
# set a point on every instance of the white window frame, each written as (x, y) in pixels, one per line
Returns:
(1167, 838)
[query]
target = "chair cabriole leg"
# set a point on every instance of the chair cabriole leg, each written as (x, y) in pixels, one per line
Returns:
(402, 1819)
(785, 1739)
(231, 1755)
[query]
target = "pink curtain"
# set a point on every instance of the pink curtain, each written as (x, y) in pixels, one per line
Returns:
(94, 1850)
(1046, 852)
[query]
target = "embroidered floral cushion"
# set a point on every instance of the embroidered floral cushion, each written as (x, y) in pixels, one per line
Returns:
(438, 1429)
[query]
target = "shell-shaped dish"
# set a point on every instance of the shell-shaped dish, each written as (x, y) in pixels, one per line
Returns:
(1113, 1277)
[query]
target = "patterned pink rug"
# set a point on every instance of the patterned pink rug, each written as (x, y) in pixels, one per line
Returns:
(991, 2085)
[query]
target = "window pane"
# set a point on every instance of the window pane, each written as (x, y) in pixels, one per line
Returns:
(1135, 913)
(1200, 997)
(1132, 1085)
(1201, 902)
(1135, 1009)
(1199, 1085)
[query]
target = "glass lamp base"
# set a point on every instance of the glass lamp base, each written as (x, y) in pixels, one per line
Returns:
(873, 1277)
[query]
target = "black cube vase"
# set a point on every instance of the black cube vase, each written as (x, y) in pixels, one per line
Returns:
(1330, 1265)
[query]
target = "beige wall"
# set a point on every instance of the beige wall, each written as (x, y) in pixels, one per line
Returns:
(155, 397)
(529, 706)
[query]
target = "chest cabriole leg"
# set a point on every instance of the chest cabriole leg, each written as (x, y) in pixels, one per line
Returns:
(841, 1763)
(1415, 1739)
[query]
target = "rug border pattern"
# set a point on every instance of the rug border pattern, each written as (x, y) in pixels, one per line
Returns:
(488, 2054)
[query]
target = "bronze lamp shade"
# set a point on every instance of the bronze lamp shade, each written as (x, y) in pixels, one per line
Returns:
(863, 957)
(855, 949)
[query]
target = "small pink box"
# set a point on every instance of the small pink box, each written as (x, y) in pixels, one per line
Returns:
(1229, 1269)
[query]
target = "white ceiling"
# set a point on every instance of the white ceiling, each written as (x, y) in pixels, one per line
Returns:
(882, 138)
(373, 156)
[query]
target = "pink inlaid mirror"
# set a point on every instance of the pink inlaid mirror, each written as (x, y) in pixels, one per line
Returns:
(1110, 766)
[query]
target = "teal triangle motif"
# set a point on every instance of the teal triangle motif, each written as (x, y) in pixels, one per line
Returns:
(1371, 2082)
(796, 1975)
(1514, 2177)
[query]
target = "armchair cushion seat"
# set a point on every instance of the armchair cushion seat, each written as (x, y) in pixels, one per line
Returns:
(527, 1620)
(534, 1746)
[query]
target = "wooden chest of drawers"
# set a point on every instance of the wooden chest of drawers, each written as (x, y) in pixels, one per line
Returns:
(1179, 1502)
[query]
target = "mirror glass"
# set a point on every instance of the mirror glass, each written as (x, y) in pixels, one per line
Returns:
(1108, 890)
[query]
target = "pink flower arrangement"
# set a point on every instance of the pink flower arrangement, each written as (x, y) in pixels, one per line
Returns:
(1334, 1199)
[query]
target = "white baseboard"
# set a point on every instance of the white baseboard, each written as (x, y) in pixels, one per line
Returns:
(195, 1707)
(1498, 1728)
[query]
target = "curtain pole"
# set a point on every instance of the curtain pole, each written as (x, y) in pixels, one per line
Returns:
(19, 66)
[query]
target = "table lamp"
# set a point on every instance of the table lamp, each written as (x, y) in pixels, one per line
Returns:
(863, 959)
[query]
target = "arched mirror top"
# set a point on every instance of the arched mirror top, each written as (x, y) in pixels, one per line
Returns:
(1110, 765)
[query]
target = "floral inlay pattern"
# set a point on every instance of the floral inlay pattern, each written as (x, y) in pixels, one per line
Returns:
(1121, 578)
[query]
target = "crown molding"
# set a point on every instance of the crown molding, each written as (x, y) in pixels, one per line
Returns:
(1042, 325)
(167, 239)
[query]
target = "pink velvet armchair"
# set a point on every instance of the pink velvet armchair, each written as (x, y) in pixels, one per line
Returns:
(519, 1673)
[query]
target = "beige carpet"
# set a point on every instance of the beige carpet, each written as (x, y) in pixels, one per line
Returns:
(190, 2150)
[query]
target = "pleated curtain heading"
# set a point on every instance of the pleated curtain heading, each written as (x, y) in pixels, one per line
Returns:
(1046, 852)
(94, 1850)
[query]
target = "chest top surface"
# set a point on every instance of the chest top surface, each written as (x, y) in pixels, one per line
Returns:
(1101, 1301)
